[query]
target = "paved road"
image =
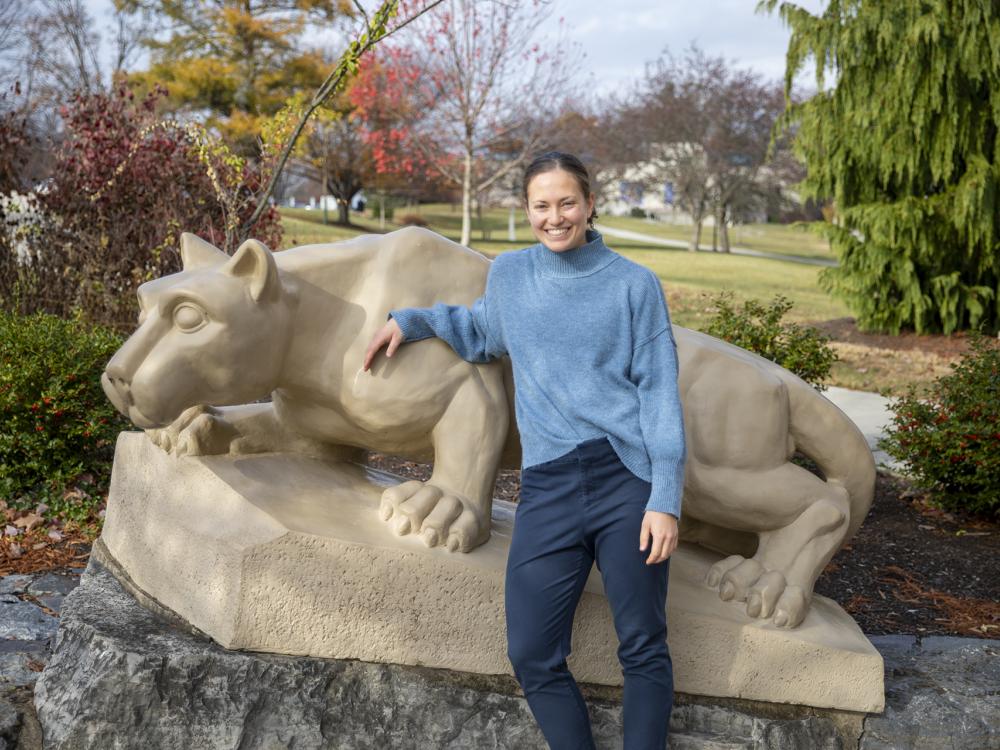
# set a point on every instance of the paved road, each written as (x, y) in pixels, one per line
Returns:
(626, 234)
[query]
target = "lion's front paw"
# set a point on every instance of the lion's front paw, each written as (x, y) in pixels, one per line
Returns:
(198, 431)
(439, 517)
(766, 592)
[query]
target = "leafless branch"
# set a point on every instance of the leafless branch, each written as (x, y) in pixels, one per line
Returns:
(337, 78)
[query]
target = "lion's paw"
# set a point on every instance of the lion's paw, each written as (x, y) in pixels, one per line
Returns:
(439, 517)
(198, 431)
(766, 592)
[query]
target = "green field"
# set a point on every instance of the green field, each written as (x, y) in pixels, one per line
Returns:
(785, 239)
(489, 235)
(688, 278)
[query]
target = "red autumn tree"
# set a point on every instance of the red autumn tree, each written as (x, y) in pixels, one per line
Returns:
(466, 73)
(387, 99)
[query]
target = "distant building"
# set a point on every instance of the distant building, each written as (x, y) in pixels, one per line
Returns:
(635, 189)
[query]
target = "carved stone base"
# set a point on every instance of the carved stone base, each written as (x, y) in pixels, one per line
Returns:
(285, 554)
(121, 677)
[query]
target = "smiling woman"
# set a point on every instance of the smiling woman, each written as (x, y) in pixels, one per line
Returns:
(602, 443)
(559, 204)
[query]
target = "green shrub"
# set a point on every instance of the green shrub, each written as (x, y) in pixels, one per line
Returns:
(56, 424)
(949, 438)
(637, 213)
(375, 206)
(757, 328)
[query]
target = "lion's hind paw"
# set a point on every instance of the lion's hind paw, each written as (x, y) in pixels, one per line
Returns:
(766, 592)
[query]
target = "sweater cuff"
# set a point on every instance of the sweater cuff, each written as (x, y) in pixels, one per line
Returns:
(668, 489)
(411, 322)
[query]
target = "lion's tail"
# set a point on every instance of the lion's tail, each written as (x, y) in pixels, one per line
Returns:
(825, 434)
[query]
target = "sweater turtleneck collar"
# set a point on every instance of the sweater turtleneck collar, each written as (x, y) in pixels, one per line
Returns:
(580, 261)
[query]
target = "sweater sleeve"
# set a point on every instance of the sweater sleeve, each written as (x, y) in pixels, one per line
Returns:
(654, 370)
(464, 329)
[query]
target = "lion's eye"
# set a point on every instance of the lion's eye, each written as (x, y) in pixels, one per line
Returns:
(189, 318)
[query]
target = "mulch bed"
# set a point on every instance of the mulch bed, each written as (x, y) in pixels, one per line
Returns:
(910, 569)
(913, 568)
(846, 330)
(36, 554)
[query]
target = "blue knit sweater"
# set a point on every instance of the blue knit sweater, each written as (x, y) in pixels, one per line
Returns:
(592, 352)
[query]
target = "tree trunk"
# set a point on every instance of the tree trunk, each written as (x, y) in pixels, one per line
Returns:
(696, 237)
(326, 192)
(342, 215)
(720, 221)
(467, 199)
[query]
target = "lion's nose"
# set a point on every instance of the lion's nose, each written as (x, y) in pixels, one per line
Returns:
(116, 388)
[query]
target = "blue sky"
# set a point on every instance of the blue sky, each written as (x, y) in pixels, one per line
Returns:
(620, 36)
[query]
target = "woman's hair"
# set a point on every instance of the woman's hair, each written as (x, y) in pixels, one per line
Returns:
(551, 160)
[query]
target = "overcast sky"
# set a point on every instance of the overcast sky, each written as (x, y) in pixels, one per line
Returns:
(620, 36)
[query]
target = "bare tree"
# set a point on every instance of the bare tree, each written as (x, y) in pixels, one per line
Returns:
(599, 132)
(706, 128)
(60, 50)
(52, 48)
(337, 156)
(489, 89)
(737, 144)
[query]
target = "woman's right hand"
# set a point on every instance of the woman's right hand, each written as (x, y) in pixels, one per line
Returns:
(390, 334)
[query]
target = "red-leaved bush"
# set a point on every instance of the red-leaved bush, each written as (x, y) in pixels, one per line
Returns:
(123, 189)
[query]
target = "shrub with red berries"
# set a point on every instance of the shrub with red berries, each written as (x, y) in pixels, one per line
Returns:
(56, 425)
(949, 438)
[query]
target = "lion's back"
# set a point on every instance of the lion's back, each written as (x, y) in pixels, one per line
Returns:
(411, 266)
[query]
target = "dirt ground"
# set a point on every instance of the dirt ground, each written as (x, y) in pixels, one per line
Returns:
(846, 331)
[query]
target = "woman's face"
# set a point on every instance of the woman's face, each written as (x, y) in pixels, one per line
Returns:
(558, 210)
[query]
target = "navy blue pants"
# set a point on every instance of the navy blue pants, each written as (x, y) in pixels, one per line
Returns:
(582, 507)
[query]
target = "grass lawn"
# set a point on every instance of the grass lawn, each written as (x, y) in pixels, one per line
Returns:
(689, 279)
(791, 239)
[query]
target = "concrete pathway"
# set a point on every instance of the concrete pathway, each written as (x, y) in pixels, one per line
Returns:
(627, 234)
(871, 413)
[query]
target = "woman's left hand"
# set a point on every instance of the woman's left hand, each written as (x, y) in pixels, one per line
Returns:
(662, 527)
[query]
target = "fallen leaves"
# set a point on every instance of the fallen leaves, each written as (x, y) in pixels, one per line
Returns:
(31, 556)
(29, 522)
(980, 617)
(31, 542)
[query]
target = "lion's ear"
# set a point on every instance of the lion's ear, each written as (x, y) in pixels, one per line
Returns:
(197, 254)
(254, 263)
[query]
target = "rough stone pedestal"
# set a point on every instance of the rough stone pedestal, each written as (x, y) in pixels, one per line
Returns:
(285, 554)
(123, 677)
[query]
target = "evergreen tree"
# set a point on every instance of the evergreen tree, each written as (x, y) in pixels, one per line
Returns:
(904, 141)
